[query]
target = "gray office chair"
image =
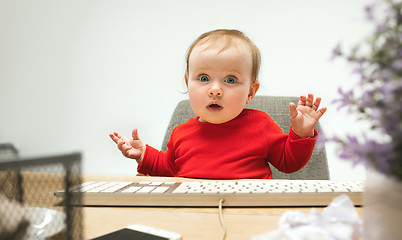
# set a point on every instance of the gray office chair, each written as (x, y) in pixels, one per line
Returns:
(278, 109)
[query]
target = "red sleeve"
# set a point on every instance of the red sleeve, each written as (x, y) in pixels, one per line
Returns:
(290, 152)
(157, 163)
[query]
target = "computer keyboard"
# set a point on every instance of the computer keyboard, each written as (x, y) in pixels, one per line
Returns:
(251, 193)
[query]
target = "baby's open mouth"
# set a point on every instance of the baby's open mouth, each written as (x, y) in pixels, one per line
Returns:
(214, 107)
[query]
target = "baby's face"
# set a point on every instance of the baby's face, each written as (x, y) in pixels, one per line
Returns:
(219, 82)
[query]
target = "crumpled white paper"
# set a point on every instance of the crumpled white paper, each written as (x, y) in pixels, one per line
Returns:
(338, 221)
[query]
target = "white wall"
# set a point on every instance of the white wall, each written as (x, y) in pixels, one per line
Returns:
(73, 71)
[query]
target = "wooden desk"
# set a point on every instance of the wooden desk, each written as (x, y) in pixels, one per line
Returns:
(191, 223)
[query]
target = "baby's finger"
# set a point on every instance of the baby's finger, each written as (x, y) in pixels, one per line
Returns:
(316, 103)
(302, 101)
(120, 144)
(321, 112)
(113, 137)
(293, 110)
(134, 134)
(309, 100)
(117, 135)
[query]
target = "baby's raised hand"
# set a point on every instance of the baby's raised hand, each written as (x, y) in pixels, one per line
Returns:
(131, 148)
(306, 115)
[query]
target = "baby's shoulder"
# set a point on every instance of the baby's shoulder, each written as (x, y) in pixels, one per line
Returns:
(188, 124)
(256, 116)
(253, 113)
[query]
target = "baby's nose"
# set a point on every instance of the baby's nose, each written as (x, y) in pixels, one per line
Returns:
(215, 91)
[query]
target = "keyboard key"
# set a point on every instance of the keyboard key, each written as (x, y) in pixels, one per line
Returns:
(155, 183)
(145, 190)
(159, 190)
(144, 183)
(131, 189)
(117, 187)
(100, 187)
(180, 191)
(91, 186)
(169, 183)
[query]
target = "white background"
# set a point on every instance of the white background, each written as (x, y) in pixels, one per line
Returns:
(73, 71)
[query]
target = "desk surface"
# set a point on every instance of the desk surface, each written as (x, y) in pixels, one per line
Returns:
(191, 223)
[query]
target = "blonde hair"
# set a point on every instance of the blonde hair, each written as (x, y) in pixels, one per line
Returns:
(230, 36)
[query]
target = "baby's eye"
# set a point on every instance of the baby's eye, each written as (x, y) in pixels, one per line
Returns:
(230, 80)
(203, 78)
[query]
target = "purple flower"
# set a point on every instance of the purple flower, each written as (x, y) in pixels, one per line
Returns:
(336, 52)
(380, 28)
(392, 126)
(397, 65)
(380, 155)
(385, 74)
(378, 99)
(369, 12)
(345, 99)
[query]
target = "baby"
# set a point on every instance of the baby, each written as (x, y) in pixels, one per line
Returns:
(225, 140)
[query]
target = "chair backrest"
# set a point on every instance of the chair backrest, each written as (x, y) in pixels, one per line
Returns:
(278, 109)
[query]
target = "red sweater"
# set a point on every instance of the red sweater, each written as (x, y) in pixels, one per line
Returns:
(240, 148)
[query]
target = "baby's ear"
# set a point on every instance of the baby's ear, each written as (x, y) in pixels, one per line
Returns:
(186, 78)
(253, 90)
